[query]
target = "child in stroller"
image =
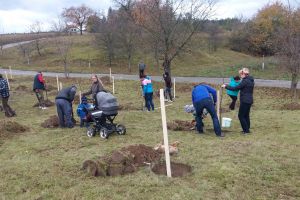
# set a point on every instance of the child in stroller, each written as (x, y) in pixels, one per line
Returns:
(103, 116)
(83, 112)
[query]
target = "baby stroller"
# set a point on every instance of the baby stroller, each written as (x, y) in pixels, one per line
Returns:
(106, 110)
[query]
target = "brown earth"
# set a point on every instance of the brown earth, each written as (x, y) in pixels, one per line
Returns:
(10, 128)
(123, 161)
(291, 106)
(52, 122)
(47, 102)
(105, 80)
(180, 125)
(129, 106)
(22, 88)
(177, 169)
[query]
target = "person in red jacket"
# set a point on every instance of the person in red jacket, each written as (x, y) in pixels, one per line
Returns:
(39, 85)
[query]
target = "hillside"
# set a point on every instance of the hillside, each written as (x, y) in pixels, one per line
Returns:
(197, 62)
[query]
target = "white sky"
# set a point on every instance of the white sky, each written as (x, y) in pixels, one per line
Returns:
(18, 15)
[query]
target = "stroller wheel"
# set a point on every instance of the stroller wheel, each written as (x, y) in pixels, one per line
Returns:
(121, 129)
(104, 133)
(90, 132)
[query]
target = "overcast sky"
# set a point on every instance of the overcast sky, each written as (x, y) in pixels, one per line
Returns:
(17, 15)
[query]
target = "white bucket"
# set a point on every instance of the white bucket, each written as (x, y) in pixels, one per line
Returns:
(226, 122)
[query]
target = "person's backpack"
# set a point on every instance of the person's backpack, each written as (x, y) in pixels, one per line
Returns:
(107, 103)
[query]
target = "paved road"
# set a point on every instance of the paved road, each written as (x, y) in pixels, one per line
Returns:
(258, 82)
(15, 44)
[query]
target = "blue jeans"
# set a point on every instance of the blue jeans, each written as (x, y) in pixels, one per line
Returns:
(149, 102)
(244, 117)
(168, 92)
(209, 105)
(64, 111)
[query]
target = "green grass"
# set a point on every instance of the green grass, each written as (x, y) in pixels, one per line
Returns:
(198, 62)
(45, 163)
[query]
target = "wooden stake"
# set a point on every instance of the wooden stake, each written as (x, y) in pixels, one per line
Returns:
(80, 97)
(165, 132)
(60, 85)
(10, 72)
(218, 104)
(174, 88)
(113, 82)
(7, 80)
(110, 74)
(57, 82)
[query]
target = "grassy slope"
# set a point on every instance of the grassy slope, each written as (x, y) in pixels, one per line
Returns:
(197, 63)
(46, 164)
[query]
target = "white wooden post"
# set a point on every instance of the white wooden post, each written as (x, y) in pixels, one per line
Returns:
(10, 72)
(165, 132)
(7, 80)
(57, 82)
(80, 97)
(89, 64)
(110, 74)
(218, 104)
(113, 82)
(60, 85)
(263, 64)
(174, 93)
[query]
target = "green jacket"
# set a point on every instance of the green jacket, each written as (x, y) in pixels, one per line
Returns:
(233, 83)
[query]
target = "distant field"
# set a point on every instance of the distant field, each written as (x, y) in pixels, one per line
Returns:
(199, 62)
(45, 163)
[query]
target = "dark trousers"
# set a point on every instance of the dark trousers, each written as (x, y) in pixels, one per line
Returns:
(244, 117)
(40, 97)
(209, 105)
(7, 109)
(168, 92)
(149, 101)
(141, 71)
(232, 105)
(64, 111)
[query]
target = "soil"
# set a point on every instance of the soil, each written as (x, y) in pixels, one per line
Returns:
(177, 169)
(184, 88)
(47, 102)
(105, 80)
(22, 88)
(291, 106)
(129, 106)
(51, 87)
(52, 122)
(179, 125)
(10, 128)
(123, 161)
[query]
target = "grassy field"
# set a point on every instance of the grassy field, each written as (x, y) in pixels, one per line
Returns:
(199, 62)
(45, 163)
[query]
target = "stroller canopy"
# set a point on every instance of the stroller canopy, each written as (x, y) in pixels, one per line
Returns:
(107, 103)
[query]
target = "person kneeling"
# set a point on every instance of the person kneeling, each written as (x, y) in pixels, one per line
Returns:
(82, 112)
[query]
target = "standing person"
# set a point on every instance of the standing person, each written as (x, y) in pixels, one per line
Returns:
(95, 88)
(4, 93)
(201, 97)
(142, 67)
(234, 81)
(246, 98)
(64, 101)
(168, 86)
(39, 85)
(148, 93)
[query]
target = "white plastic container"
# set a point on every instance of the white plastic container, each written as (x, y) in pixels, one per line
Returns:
(226, 122)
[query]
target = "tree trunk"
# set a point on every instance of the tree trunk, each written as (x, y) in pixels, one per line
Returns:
(81, 26)
(66, 69)
(129, 63)
(294, 84)
(167, 66)
(38, 47)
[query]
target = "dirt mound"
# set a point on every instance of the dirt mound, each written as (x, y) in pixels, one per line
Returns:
(76, 99)
(177, 169)
(291, 106)
(184, 88)
(9, 128)
(52, 122)
(179, 125)
(22, 88)
(47, 102)
(51, 87)
(123, 161)
(105, 80)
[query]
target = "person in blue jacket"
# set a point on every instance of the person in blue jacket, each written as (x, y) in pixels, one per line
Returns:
(148, 92)
(201, 97)
(82, 112)
(234, 82)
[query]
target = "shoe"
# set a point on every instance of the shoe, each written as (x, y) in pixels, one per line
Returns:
(170, 101)
(44, 108)
(40, 107)
(245, 133)
(221, 136)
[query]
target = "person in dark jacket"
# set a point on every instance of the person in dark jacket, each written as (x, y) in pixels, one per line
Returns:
(201, 97)
(4, 93)
(246, 98)
(95, 88)
(142, 67)
(39, 85)
(63, 102)
(168, 86)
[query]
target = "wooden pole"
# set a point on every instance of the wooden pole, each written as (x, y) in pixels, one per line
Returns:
(10, 72)
(218, 104)
(113, 82)
(7, 80)
(174, 88)
(263, 64)
(110, 74)
(57, 82)
(60, 85)
(80, 97)
(165, 132)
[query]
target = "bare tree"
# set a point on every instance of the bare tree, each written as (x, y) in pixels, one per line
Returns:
(77, 16)
(36, 29)
(63, 46)
(59, 26)
(26, 50)
(172, 22)
(214, 39)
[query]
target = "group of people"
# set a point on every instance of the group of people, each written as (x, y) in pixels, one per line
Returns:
(205, 97)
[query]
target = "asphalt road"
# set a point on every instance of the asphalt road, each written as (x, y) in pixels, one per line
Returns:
(258, 82)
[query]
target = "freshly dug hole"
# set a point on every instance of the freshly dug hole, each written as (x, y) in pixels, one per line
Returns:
(52, 122)
(291, 106)
(179, 125)
(177, 169)
(10, 128)
(47, 103)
